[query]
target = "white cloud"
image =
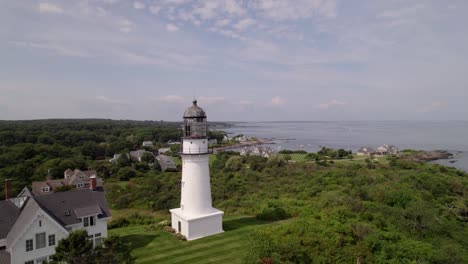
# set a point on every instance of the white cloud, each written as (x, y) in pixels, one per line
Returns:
(298, 9)
(245, 102)
(125, 25)
(222, 22)
(49, 8)
(434, 106)
(54, 47)
(277, 101)
(244, 23)
(105, 99)
(154, 9)
(402, 12)
(171, 99)
(211, 99)
(138, 5)
(329, 104)
(172, 28)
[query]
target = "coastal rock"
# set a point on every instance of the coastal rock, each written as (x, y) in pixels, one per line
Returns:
(424, 156)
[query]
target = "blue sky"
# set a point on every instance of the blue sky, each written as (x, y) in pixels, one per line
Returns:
(243, 60)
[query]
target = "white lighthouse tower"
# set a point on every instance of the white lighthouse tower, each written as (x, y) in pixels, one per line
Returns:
(196, 217)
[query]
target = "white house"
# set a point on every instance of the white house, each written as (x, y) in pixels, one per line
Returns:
(364, 151)
(147, 143)
(31, 226)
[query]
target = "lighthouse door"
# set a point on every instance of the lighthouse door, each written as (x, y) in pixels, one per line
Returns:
(179, 227)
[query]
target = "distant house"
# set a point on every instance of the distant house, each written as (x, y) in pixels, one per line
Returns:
(365, 151)
(138, 154)
(76, 179)
(261, 151)
(387, 150)
(115, 158)
(172, 142)
(241, 139)
(380, 151)
(147, 143)
(166, 163)
(163, 150)
(31, 226)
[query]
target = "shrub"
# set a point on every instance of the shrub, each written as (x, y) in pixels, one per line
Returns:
(169, 229)
(273, 214)
(119, 222)
(164, 223)
(179, 236)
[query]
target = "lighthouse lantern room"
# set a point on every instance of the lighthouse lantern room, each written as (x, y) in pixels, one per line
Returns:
(196, 217)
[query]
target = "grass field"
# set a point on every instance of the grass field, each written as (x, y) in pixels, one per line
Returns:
(161, 247)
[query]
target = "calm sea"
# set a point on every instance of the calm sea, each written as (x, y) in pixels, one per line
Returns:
(311, 136)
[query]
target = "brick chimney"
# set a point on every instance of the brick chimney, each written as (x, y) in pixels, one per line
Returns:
(92, 183)
(7, 189)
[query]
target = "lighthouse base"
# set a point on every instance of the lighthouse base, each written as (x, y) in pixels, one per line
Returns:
(195, 227)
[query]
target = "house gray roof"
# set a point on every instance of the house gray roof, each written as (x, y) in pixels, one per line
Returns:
(5, 257)
(58, 204)
(88, 210)
(8, 215)
(194, 111)
(28, 211)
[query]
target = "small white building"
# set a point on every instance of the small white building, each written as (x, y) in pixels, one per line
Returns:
(365, 151)
(196, 217)
(147, 143)
(31, 226)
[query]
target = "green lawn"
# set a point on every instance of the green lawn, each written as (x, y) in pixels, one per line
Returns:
(162, 247)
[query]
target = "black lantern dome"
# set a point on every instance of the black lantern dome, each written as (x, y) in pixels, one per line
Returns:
(195, 125)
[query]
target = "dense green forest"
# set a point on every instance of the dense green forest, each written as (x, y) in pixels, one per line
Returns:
(31, 149)
(397, 211)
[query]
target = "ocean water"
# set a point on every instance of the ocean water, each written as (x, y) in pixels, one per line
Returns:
(311, 136)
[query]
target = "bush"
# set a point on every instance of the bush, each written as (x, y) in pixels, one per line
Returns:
(169, 229)
(119, 222)
(179, 236)
(273, 214)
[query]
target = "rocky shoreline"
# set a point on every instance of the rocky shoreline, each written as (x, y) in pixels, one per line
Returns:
(425, 156)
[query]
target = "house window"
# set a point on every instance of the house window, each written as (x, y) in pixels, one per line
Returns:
(29, 262)
(40, 223)
(89, 221)
(40, 240)
(97, 240)
(41, 260)
(29, 245)
(51, 240)
(79, 185)
(45, 189)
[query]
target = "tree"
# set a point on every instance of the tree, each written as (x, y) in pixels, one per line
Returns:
(234, 163)
(126, 173)
(147, 157)
(114, 250)
(75, 249)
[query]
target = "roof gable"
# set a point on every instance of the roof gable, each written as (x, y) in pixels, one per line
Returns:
(8, 215)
